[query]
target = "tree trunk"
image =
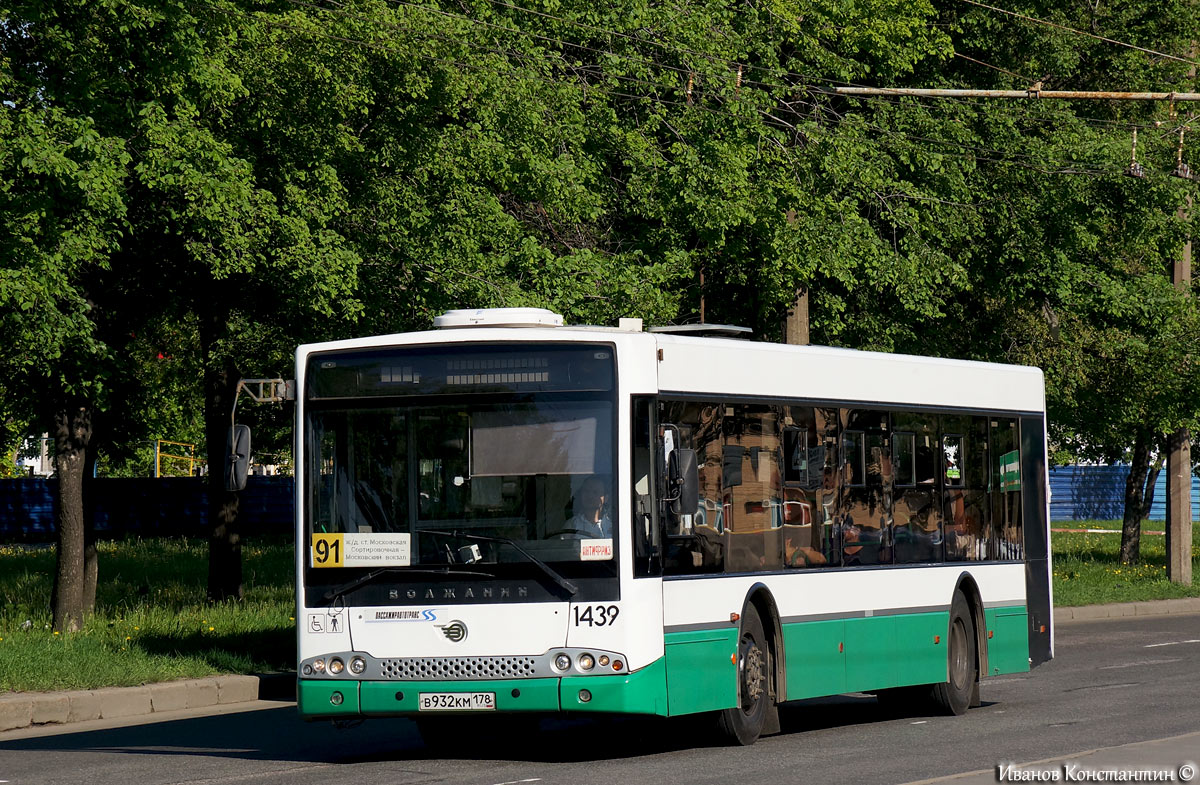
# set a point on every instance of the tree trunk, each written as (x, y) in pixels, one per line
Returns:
(220, 384)
(225, 542)
(1135, 494)
(72, 434)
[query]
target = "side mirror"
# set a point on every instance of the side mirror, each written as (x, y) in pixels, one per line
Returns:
(237, 457)
(684, 476)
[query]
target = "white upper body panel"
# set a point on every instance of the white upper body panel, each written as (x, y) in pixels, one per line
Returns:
(822, 373)
(724, 366)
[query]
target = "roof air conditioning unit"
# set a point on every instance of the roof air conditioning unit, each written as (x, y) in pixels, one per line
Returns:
(498, 317)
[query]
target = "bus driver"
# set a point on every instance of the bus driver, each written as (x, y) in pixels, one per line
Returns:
(590, 520)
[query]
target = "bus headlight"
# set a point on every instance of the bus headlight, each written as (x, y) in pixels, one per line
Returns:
(358, 665)
(336, 666)
(586, 662)
(319, 666)
(562, 662)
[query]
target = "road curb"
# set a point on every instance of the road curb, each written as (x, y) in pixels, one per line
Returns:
(1120, 609)
(23, 709)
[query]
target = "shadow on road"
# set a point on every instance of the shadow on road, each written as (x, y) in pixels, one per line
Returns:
(279, 735)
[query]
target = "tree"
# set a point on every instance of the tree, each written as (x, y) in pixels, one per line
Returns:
(60, 216)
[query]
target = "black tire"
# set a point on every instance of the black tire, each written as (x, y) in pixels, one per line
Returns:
(954, 695)
(744, 723)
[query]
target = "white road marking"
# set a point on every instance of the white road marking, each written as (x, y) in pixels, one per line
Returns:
(519, 782)
(919, 722)
(1140, 662)
(1170, 643)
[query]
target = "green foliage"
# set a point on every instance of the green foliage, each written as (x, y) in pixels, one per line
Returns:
(219, 181)
(61, 214)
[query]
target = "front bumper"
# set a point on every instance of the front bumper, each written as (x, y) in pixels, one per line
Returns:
(641, 692)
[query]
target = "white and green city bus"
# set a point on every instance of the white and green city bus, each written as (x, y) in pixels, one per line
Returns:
(505, 514)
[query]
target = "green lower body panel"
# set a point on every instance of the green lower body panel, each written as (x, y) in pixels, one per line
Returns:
(642, 692)
(701, 674)
(327, 698)
(846, 655)
(814, 661)
(919, 648)
(1008, 640)
(877, 652)
(870, 660)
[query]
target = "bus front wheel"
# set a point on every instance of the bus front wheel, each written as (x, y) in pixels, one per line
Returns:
(744, 723)
(953, 696)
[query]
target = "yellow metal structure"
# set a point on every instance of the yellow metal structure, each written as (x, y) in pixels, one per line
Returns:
(159, 455)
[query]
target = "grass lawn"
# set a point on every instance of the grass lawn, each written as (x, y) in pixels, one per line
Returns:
(1086, 571)
(152, 621)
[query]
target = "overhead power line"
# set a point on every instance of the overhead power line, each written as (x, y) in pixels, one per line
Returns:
(887, 95)
(1032, 92)
(1080, 32)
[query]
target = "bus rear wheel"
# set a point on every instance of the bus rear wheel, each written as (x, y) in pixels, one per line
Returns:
(953, 696)
(744, 723)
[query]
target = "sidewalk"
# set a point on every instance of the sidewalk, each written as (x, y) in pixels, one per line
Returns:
(23, 709)
(1119, 609)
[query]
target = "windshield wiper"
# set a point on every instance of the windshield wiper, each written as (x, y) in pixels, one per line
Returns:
(567, 586)
(363, 580)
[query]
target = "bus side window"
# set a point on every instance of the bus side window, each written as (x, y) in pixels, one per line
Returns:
(695, 542)
(646, 535)
(805, 535)
(1005, 486)
(916, 509)
(754, 439)
(964, 449)
(866, 509)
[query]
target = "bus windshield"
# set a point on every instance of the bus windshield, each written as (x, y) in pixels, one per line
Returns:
(395, 478)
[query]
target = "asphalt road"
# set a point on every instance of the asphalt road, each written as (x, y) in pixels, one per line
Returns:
(1113, 682)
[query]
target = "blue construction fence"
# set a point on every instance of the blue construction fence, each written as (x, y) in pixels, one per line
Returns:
(145, 507)
(178, 506)
(1080, 493)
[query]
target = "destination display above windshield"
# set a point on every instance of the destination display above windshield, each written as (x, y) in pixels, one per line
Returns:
(459, 369)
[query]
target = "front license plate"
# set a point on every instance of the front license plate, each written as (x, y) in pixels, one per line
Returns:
(456, 701)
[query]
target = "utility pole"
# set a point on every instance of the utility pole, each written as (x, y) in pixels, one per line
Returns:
(1179, 444)
(1179, 460)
